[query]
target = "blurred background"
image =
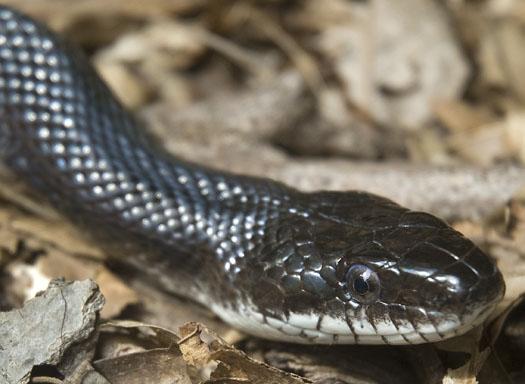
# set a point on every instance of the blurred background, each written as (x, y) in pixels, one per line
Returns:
(429, 81)
(422, 101)
(299, 90)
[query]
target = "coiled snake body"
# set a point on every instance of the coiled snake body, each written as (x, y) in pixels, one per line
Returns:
(325, 267)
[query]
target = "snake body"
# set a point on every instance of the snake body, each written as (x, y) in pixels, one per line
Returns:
(323, 267)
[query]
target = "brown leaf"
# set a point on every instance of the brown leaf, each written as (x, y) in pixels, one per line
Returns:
(199, 346)
(162, 366)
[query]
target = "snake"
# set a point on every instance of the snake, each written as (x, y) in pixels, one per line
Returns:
(324, 267)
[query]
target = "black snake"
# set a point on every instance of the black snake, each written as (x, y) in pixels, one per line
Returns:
(324, 267)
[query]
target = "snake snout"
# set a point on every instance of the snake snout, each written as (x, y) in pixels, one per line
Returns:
(468, 285)
(488, 288)
(451, 281)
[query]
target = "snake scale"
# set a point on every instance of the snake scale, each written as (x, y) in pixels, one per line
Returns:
(324, 267)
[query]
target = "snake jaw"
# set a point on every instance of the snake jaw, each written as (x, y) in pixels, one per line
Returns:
(354, 325)
(354, 328)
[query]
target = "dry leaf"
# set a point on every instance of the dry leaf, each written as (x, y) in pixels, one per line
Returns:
(200, 345)
(160, 363)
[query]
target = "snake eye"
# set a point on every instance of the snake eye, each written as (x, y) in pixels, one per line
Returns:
(363, 283)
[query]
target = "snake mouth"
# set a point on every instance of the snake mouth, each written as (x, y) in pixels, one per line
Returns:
(354, 326)
(437, 327)
(378, 323)
(417, 327)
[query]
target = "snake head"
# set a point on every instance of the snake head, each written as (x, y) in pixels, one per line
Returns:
(362, 269)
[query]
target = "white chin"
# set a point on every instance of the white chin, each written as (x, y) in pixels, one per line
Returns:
(308, 329)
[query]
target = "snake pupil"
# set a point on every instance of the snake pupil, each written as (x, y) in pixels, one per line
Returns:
(361, 286)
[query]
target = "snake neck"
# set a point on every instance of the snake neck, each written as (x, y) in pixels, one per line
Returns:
(107, 174)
